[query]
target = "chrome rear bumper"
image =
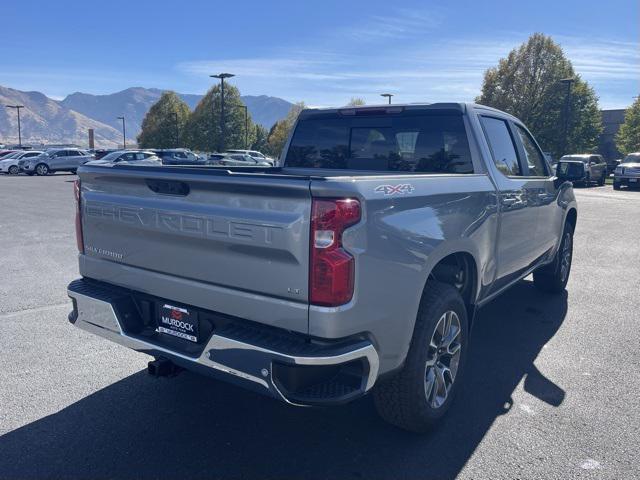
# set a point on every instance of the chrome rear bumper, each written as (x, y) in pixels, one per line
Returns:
(269, 364)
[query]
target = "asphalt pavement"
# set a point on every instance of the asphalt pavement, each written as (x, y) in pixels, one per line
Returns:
(551, 389)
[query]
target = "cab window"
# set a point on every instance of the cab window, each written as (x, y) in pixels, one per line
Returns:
(502, 147)
(535, 159)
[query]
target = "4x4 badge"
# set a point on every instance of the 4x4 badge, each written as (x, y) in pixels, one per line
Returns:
(394, 189)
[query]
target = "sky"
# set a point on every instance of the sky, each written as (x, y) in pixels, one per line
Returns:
(320, 52)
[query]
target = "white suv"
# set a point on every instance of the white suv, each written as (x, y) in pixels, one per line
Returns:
(56, 160)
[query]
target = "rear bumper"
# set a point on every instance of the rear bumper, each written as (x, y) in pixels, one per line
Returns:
(285, 366)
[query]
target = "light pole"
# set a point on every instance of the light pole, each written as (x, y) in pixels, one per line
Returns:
(175, 117)
(222, 76)
(124, 134)
(388, 95)
(18, 107)
(567, 112)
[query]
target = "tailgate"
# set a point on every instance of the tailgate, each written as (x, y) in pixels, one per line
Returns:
(241, 232)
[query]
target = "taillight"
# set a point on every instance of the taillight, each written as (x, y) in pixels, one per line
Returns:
(332, 268)
(79, 239)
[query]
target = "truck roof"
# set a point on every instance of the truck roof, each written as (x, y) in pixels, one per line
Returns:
(461, 107)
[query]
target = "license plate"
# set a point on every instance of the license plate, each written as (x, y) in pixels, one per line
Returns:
(178, 322)
(633, 180)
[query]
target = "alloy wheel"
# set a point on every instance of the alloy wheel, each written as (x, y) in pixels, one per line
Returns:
(565, 256)
(42, 170)
(442, 359)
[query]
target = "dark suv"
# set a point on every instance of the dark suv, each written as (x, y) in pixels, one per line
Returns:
(178, 156)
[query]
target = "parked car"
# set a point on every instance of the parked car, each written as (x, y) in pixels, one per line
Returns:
(128, 157)
(595, 168)
(178, 156)
(612, 164)
(55, 160)
(236, 160)
(10, 163)
(628, 172)
(101, 152)
(254, 154)
(357, 266)
(4, 153)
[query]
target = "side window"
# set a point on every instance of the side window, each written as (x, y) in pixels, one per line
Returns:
(535, 160)
(502, 147)
(73, 153)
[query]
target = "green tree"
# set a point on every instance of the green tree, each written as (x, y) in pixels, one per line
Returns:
(279, 132)
(356, 102)
(628, 137)
(203, 130)
(163, 125)
(527, 85)
(260, 142)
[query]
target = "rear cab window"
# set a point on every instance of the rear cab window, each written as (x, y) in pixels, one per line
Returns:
(415, 141)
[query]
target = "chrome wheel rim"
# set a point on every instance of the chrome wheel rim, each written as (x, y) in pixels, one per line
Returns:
(443, 358)
(565, 257)
(13, 170)
(42, 170)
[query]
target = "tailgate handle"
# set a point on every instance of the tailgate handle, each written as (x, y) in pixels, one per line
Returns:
(168, 187)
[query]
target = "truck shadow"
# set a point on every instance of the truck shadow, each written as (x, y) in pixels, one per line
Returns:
(190, 427)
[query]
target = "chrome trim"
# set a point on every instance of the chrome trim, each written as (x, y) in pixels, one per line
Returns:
(98, 317)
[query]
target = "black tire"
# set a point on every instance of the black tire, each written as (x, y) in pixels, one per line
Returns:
(405, 400)
(14, 170)
(42, 169)
(553, 278)
(602, 180)
(616, 185)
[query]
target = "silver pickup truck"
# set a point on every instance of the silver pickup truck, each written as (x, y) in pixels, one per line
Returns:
(357, 265)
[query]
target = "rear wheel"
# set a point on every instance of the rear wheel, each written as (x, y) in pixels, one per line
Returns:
(421, 393)
(602, 179)
(42, 169)
(13, 170)
(553, 278)
(616, 185)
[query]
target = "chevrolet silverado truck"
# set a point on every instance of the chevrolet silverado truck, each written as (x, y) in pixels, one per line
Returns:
(357, 265)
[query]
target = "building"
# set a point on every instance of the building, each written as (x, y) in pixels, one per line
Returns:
(611, 121)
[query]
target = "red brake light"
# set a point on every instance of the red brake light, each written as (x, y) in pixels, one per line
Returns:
(332, 268)
(79, 239)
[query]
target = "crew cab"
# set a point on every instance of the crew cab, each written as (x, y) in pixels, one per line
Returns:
(357, 265)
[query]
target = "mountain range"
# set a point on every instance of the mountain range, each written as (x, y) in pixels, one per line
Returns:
(45, 120)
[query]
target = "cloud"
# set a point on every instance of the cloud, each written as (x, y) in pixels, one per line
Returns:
(410, 53)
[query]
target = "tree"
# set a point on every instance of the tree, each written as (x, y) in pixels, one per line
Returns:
(527, 85)
(279, 132)
(203, 130)
(356, 102)
(628, 137)
(163, 125)
(260, 143)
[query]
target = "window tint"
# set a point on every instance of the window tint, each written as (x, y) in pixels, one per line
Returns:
(73, 153)
(407, 143)
(504, 152)
(535, 160)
